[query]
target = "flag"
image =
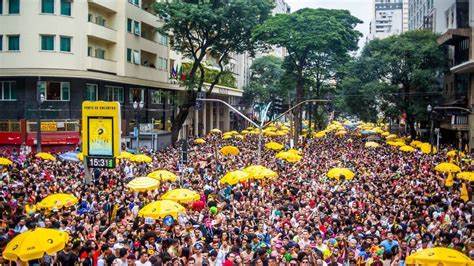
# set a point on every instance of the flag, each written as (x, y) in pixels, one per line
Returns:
(464, 194)
(449, 180)
(173, 73)
(182, 74)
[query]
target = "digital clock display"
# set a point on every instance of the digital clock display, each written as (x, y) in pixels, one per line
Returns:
(101, 162)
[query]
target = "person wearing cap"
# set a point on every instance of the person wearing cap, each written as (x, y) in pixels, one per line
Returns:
(197, 256)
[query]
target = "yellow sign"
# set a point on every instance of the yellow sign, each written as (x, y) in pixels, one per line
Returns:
(100, 128)
(48, 126)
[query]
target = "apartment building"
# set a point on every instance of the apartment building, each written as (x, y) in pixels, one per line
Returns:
(387, 19)
(55, 54)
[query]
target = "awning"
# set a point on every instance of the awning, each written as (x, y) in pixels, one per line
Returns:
(453, 36)
(465, 67)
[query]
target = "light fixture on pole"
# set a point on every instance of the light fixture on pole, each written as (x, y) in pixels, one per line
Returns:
(138, 106)
(429, 108)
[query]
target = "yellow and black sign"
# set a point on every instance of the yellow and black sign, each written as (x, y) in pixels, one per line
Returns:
(49, 126)
(100, 129)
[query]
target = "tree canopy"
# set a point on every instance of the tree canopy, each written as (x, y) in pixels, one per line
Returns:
(209, 28)
(394, 76)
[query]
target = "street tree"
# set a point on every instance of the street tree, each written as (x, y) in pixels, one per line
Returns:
(397, 76)
(200, 29)
(315, 39)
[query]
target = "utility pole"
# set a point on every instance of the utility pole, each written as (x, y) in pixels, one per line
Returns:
(40, 99)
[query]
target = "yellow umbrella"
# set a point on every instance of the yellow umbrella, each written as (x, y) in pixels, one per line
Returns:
(33, 244)
(144, 183)
(438, 256)
(80, 156)
(181, 195)
(426, 148)
(238, 136)
(5, 161)
(227, 137)
(341, 133)
(454, 153)
(216, 131)
(199, 141)
(447, 168)
(124, 155)
(407, 148)
(229, 150)
(391, 136)
(468, 176)
(295, 151)
(45, 156)
(270, 134)
(141, 158)
(160, 209)
(290, 157)
(372, 144)
(234, 177)
(320, 134)
(260, 172)
(57, 201)
(336, 173)
(163, 175)
(384, 134)
(274, 146)
(244, 132)
(416, 143)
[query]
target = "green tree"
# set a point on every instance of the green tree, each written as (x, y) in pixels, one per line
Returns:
(209, 28)
(264, 85)
(397, 75)
(316, 40)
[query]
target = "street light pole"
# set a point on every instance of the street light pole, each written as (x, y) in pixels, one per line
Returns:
(40, 99)
(138, 106)
(429, 108)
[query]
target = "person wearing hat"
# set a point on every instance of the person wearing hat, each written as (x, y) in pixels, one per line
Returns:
(198, 256)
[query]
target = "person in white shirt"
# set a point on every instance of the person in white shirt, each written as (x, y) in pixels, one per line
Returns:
(143, 261)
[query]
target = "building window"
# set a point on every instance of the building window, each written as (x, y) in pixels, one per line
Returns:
(13, 42)
(91, 92)
(66, 7)
(114, 93)
(134, 2)
(129, 55)
(65, 44)
(163, 40)
(129, 25)
(47, 42)
(136, 28)
(1, 7)
(47, 6)
(7, 90)
(13, 6)
(54, 90)
(157, 97)
(162, 63)
(100, 53)
(137, 95)
(1, 42)
(99, 20)
(89, 17)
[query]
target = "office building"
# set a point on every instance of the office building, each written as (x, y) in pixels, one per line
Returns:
(387, 19)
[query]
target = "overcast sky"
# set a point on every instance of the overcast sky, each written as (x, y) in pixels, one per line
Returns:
(359, 8)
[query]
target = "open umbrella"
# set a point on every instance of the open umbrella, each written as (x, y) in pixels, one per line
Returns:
(144, 183)
(234, 177)
(391, 136)
(216, 131)
(341, 133)
(161, 208)
(226, 136)
(141, 158)
(124, 155)
(337, 173)
(45, 156)
(320, 134)
(407, 148)
(69, 156)
(416, 143)
(33, 244)
(163, 175)
(260, 172)
(57, 201)
(274, 146)
(181, 195)
(447, 168)
(5, 161)
(468, 176)
(426, 148)
(438, 256)
(290, 157)
(372, 144)
(199, 141)
(229, 150)
(454, 153)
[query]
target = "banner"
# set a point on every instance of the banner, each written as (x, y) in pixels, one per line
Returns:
(49, 126)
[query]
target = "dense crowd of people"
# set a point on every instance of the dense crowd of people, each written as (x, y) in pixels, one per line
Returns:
(396, 204)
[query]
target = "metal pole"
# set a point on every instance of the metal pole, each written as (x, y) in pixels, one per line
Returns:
(232, 108)
(431, 133)
(263, 116)
(38, 131)
(295, 106)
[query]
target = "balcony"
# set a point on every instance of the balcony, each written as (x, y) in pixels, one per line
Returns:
(456, 122)
(111, 6)
(101, 32)
(102, 65)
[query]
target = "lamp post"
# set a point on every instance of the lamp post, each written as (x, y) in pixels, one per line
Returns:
(40, 100)
(138, 106)
(429, 108)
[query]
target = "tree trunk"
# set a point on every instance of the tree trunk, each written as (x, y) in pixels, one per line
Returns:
(299, 98)
(182, 115)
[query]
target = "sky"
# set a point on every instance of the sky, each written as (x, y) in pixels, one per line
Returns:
(358, 8)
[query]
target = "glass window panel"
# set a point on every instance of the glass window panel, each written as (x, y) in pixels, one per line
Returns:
(129, 25)
(47, 6)
(53, 91)
(65, 91)
(65, 44)
(13, 6)
(66, 7)
(14, 42)
(47, 42)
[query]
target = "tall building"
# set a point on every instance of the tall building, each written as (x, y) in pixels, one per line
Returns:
(55, 54)
(405, 15)
(387, 19)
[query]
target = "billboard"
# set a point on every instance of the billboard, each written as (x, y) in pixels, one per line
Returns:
(100, 129)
